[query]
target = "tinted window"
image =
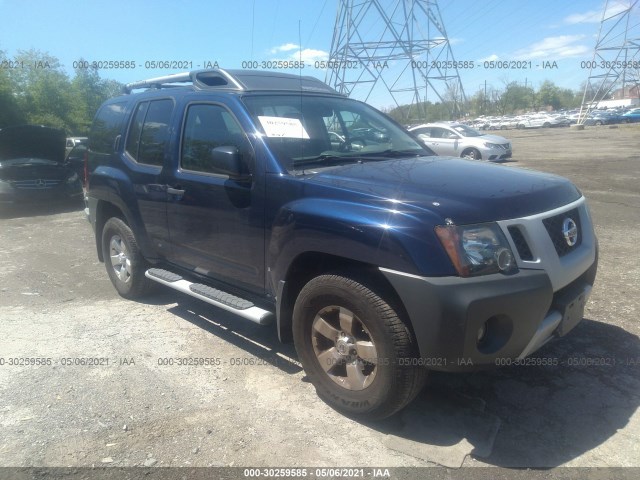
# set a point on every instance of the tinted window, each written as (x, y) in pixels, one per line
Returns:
(133, 139)
(106, 127)
(206, 127)
(149, 132)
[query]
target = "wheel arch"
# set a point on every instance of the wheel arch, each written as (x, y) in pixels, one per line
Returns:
(309, 265)
(471, 149)
(104, 211)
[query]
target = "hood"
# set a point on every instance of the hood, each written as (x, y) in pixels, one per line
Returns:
(464, 191)
(492, 139)
(32, 141)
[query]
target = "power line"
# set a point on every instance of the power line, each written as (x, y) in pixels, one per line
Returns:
(408, 57)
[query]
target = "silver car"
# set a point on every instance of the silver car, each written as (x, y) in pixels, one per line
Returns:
(458, 140)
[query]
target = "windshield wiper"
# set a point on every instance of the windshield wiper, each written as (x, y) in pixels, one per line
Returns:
(325, 159)
(390, 153)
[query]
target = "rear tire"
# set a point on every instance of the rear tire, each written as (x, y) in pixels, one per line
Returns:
(355, 349)
(124, 261)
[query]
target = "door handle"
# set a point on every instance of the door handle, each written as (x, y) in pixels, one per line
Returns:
(174, 191)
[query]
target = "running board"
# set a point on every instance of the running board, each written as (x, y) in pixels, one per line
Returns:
(220, 299)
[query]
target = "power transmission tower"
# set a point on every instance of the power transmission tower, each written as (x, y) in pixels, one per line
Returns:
(396, 50)
(616, 57)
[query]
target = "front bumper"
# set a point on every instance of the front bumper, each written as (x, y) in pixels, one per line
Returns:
(495, 154)
(60, 193)
(520, 313)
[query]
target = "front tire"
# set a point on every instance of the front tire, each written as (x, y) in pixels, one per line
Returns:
(471, 154)
(355, 349)
(124, 261)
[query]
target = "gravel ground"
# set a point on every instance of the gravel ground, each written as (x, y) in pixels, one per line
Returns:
(250, 404)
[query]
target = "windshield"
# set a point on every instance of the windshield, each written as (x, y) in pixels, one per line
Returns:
(467, 131)
(314, 131)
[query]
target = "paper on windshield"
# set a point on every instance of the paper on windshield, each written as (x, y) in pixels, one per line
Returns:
(281, 127)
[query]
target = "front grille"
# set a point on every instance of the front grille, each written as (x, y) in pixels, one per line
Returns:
(38, 184)
(521, 243)
(554, 229)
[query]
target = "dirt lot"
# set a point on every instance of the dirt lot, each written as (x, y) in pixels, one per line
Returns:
(252, 407)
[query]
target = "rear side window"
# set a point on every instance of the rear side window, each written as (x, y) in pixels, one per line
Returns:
(149, 132)
(106, 127)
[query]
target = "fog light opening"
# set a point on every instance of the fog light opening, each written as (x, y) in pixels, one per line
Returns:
(505, 259)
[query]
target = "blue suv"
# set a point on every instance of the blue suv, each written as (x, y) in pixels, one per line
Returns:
(265, 194)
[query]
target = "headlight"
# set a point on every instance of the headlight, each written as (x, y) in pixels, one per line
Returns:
(477, 249)
(4, 186)
(491, 145)
(73, 178)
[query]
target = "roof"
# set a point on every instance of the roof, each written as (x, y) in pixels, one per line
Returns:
(235, 80)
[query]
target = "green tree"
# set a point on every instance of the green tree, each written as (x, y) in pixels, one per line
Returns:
(42, 93)
(549, 95)
(42, 90)
(479, 104)
(569, 98)
(88, 90)
(517, 97)
(10, 112)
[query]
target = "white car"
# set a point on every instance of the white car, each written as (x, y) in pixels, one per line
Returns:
(542, 120)
(508, 122)
(458, 140)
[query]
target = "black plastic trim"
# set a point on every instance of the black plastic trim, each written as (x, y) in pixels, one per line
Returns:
(447, 312)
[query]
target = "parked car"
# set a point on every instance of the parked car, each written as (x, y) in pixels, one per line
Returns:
(632, 116)
(542, 120)
(508, 122)
(603, 118)
(32, 168)
(74, 141)
(379, 262)
(478, 124)
(494, 124)
(459, 140)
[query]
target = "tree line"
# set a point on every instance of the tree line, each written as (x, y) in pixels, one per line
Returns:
(513, 98)
(35, 89)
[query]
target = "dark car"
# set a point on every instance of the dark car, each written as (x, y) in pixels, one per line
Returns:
(32, 166)
(603, 118)
(632, 116)
(268, 195)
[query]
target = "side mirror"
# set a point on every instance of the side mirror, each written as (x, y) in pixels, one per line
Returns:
(227, 161)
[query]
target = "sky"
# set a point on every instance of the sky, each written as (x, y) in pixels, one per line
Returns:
(557, 34)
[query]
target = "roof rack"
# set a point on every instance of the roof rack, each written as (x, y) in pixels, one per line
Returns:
(211, 78)
(238, 80)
